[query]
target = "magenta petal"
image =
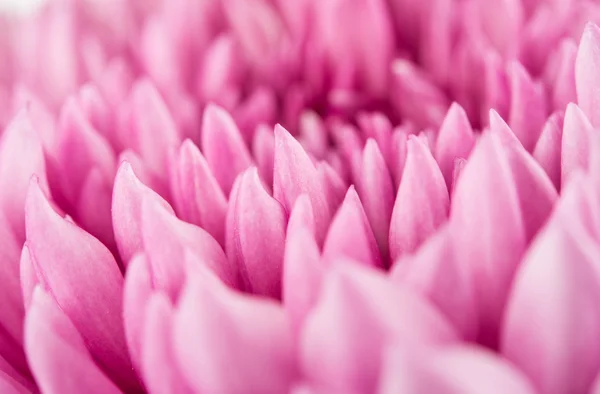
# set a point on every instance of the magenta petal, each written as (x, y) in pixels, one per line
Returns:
(19, 144)
(422, 201)
(350, 234)
(57, 353)
(136, 292)
(128, 195)
(85, 282)
(587, 65)
(217, 331)
(576, 139)
(358, 313)
(198, 196)
(547, 150)
(527, 106)
(376, 192)
(435, 273)
(490, 234)
(256, 235)
(295, 174)
(556, 288)
(455, 140)
(223, 146)
(165, 240)
(159, 369)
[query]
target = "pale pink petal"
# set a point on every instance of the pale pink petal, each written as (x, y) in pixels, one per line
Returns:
(455, 140)
(576, 139)
(256, 235)
(350, 234)
(159, 369)
(376, 192)
(587, 65)
(21, 144)
(259, 108)
(313, 134)
(457, 370)
(128, 195)
(422, 201)
(217, 331)
(263, 150)
(502, 130)
(85, 282)
(302, 216)
(165, 240)
(490, 234)
(358, 313)
(302, 272)
(551, 314)
(295, 174)
(57, 353)
(223, 146)
(197, 195)
(80, 148)
(149, 128)
(27, 275)
(547, 150)
(563, 89)
(136, 292)
(435, 273)
(398, 153)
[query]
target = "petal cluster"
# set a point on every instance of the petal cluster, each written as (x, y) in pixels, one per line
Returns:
(271, 196)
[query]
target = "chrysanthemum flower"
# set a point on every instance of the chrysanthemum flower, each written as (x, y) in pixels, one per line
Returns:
(311, 196)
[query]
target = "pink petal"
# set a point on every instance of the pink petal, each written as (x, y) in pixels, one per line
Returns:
(128, 195)
(350, 234)
(294, 174)
(223, 146)
(455, 140)
(159, 369)
(263, 149)
(57, 353)
(80, 148)
(166, 238)
(85, 282)
(27, 275)
(378, 127)
(435, 273)
(502, 131)
(398, 153)
(259, 108)
(421, 203)
(302, 271)
(256, 235)
(547, 151)
(415, 97)
(490, 238)
(587, 64)
(556, 288)
(136, 292)
(457, 370)
(376, 192)
(19, 144)
(11, 301)
(577, 131)
(313, 134)
(198, 197)
(97, 111)
(563, 89)
(149, 128)
(217, 331)
(333, 184)
(359, 311)
(536, 192)
(302, 216)
(527, 106)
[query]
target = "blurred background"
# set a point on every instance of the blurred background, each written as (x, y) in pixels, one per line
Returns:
(19, 6)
